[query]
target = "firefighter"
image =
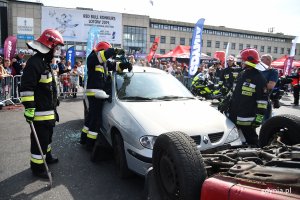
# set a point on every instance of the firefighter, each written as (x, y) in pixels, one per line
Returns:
(98, 66)
(39, 96)
(229, 75)
(250, 97)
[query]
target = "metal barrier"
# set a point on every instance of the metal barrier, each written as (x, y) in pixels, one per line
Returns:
(68, 85)
(16, 88)
(6, 91)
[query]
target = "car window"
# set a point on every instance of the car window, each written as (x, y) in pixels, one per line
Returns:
(149, 85)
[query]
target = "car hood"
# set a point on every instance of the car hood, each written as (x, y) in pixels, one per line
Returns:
(192, 117)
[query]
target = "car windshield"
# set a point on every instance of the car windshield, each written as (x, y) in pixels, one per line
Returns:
(150, 86)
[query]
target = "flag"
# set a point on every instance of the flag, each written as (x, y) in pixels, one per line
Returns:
(288, 63)
(93, 39)
(226, 55)
(153, 49)
(10, 45)
(71, 55)
(195, 52)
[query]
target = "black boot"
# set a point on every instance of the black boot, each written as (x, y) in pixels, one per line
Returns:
(82, 138)
(90, 144)
(39, 170)
(50, 159)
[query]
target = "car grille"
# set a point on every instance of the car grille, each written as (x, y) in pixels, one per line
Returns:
(197, 139)
(215, 137)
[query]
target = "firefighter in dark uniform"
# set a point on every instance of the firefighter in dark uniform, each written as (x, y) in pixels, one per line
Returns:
(98, 66)
(39, 96)
(229, 75)
(296, 86)
(250, 97)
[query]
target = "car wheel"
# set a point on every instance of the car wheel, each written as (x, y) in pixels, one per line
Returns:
(120, 157)
(178, 166)
(282, 127)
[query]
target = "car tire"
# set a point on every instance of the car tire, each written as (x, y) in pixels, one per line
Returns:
(284, 126)
(178, 166)
(120, 157)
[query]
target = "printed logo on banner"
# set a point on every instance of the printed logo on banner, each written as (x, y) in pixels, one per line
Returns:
(195, 52)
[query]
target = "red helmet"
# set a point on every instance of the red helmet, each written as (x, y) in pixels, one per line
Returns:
(102, 46)
(49, 39)
(250, 57)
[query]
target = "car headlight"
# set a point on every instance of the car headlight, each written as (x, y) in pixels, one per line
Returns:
(232, 136)
(148, 141)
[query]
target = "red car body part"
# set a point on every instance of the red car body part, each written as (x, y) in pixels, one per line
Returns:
(228, 188)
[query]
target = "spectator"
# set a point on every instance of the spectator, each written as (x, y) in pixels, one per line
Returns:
(18, 63)
(80, 69)
(74, 80)
(271, 76)
(131, 59)
(61, 66)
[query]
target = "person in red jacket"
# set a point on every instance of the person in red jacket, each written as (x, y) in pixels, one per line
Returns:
(296, 86)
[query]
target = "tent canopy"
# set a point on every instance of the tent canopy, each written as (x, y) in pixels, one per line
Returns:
(181, 52)
(279, 63)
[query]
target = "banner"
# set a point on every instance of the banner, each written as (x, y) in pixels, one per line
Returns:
(74, 24)
(153, 49)
(288, 63)
(226, 54)
(94, 36)
(10, 45)
(71, 55)
(196, 46)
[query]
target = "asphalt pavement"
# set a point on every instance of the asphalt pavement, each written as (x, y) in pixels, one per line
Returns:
(75, 176)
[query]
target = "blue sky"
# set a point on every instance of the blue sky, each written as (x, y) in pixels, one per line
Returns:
(256, 15)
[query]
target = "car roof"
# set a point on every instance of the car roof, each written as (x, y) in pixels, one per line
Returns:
(137, 68)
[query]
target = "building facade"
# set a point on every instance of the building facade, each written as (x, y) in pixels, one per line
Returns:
(26, 21)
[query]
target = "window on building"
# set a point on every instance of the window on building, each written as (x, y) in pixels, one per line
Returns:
(255, 46)
(262, 48)
(152, 38)
(172, 40)
(225, 45)
(190, 41)
(162, 51)
(135, 39)
(288, 50)
(233, 46)
(208, 53)
(208, 43)
(182, 41)
(269, 49)
(217, 44)
(282, 51)
(275, 50)
(241, 46)
(162, 39)
(248, 45)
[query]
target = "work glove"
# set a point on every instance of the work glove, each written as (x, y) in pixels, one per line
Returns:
(119, 51)
(29, 114)
(126, 65)
(257, 120)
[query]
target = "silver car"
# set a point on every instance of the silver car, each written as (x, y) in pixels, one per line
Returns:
(147, 102)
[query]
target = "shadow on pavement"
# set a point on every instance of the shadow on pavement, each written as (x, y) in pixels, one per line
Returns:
(75, 176)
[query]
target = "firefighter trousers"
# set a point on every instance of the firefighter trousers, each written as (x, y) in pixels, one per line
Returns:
(93, 121)
(44, 133)
(250, 135)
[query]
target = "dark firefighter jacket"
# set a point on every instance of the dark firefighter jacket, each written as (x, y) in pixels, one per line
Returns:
(229, 76)
(98, 67)
(38, 89)
(250, 97)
